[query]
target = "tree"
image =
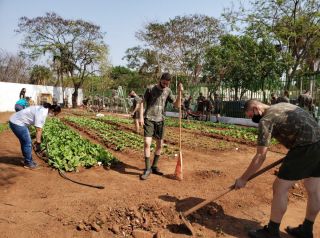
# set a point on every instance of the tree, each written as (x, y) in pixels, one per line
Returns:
(293, 24)
(180, 44)
(40, 75)
(76, 46)
(242, 63)
(13, 68)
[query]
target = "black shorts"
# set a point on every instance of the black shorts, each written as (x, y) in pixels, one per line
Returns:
(301, 162)
(153, 129)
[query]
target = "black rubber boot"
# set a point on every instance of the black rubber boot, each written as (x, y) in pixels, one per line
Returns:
(298, 232)
(155, 170)
(145, 174)
(262, 233)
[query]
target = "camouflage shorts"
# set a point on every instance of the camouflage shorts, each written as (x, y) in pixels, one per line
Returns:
(301, 162)
(153, 129)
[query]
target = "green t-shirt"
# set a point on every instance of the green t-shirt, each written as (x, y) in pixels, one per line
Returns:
(289, 124)
(155, 100)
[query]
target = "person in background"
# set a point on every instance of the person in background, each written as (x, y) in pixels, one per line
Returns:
(284, 98)
(31, 116)
(273, 99)
(154, 100)
(186, 107)
(300, 133)
(136, 100)
(305, 101)
(200, 103)
(22, 93)
(22, 104)
(216, 106)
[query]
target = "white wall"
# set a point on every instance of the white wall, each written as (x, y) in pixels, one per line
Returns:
(9, 94)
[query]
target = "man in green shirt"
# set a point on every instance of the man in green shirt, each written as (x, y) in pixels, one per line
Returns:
(152, 119)
(299, 132)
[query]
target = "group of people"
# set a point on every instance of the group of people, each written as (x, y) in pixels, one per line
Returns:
(23, 101)
(205, 106)
(289, 124)
(304, 101)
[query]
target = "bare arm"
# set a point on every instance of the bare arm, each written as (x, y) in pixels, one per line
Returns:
(255, 164)
(177, 103)
(141, 120)
(38, 134)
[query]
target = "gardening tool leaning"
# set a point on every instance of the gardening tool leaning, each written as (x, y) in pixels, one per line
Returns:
(183, 215)
(43, 155)
(178, 171)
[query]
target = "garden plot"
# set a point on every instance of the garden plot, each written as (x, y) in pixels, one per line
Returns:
(128, 207)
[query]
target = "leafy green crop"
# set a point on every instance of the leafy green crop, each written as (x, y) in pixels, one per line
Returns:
(110, 133)
(3, 126)
(235, 131)
(67, 150)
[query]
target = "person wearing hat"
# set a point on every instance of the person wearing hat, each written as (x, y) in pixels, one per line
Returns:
(155, 100)
(31, 116)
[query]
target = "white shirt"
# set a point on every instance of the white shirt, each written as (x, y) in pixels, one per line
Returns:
(34, 115)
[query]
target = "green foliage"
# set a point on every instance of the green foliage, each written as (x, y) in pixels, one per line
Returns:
(117, 139)
(180, 43)
(76, 47)
(243, 63)
(3, 127)
(41, 75)
(67, 150)
(234, 131)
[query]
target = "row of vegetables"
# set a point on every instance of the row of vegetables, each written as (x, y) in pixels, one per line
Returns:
(66, 150)
(119, 139)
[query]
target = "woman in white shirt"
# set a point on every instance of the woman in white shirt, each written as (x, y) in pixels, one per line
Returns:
(31, 116)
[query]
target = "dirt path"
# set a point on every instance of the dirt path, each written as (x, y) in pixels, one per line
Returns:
(42, 204)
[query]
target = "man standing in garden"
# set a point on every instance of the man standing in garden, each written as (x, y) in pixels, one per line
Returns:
(299, 132)
(136, 100)
(154, 101)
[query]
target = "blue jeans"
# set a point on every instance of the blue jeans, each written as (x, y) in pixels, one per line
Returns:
(22, 132)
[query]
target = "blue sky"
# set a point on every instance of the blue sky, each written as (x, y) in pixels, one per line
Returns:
(120, 19)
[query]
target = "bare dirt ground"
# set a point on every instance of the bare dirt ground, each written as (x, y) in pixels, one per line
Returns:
(42, 204)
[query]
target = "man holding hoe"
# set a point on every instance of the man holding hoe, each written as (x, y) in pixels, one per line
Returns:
(152, 119)
(299, 132)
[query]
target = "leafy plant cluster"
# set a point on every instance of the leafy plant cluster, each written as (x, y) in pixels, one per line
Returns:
(234, 131)
(67, 150)
(3, 126)
(116, 119)
(110, 133)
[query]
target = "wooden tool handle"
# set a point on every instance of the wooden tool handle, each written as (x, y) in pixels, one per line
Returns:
(206, 202)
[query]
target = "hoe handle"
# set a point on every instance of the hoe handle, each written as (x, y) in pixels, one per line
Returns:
(207, 201)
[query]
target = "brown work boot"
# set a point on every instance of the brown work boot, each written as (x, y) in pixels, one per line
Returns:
(262, 233)
(298, 232)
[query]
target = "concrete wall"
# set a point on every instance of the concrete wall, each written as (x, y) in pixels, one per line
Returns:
(228, 120)
(9, 94)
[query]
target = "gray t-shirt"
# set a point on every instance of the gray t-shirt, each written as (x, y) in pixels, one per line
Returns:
(155, 100)
(289, 124)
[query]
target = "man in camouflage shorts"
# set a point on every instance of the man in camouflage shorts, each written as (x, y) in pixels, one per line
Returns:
(299, 132)
(154, 100)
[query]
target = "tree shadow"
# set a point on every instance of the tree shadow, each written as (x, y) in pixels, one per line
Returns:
(122, 168)
(213, 217)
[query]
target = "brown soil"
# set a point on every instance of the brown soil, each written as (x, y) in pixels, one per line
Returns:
(42, 204)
